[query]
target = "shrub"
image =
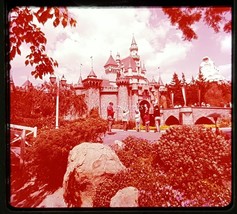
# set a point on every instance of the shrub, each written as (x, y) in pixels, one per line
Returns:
(224, 121)
(49, 153)
(197, 163)
(187, 167)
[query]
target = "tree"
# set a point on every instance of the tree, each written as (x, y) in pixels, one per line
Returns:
(35, 103)
(183, 81)
(175, 87)
(192, 92)
(201, 83)
(214, 17)
(217, 94)
(22, 29)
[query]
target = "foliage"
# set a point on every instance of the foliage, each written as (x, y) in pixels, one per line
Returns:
(213, 93)
(23, 29)
(184, 18)
(198, 163)
(36, 108)
(224, 121)
(175, 87)
(48, 154)
(188, 167)
(217, 94)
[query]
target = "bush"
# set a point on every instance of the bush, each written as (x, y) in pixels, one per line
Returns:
(49, 153)
(224, 121)
(197, 163)
(188, 167)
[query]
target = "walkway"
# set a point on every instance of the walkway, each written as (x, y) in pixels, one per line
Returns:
(118, 134)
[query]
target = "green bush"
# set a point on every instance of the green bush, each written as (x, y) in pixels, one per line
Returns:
(49, 153)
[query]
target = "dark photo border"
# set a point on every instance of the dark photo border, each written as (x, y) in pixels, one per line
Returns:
(5, 6)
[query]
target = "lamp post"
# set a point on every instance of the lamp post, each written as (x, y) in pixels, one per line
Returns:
(62, 82)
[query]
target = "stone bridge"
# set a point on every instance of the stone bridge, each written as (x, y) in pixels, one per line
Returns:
(190, 115)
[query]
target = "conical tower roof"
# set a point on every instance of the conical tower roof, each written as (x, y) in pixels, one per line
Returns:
(92, 74)
(133, 45)
(80, 80)
(160, 82)
(110, 61)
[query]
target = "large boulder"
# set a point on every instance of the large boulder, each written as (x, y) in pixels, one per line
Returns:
(54, 200)
(88, 166)
(126, 197)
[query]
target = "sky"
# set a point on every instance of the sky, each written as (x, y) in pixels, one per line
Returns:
(101, 31)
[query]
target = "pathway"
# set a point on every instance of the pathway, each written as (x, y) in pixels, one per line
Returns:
(118, 134)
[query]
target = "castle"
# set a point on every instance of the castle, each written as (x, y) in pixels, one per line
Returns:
(125, 85)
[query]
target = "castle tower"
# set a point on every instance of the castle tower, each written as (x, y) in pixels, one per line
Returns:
(79, 86)
(143, 70)
(134, 50)
(111, 67)
(118, 58)
(123, 98)
(93, 86)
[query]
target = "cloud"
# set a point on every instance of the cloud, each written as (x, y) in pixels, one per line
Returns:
(102, 30)
(226, 71)
(225, 43)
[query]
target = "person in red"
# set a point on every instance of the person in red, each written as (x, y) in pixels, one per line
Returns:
(110, 116)
(146, 119)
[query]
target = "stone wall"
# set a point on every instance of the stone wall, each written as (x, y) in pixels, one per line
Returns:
(92, 98)
(190, 115)
(105, 99)
(122, 100)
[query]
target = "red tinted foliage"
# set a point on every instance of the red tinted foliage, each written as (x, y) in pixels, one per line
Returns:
(216, 18)
(188, 167)
(22, 29)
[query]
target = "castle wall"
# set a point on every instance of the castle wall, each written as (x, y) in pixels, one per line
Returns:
(105, 99)
(134, 104)
(92, 97)
(122, 100)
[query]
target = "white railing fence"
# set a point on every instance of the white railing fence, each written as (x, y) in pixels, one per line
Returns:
(25, 131)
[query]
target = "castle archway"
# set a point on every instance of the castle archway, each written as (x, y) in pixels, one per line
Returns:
(171, 120)
(204, 120)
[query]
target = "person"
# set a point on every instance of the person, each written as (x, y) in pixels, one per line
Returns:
(137, 119)
(146, 119)
(125, 119)
(110, 116)
(157, 117)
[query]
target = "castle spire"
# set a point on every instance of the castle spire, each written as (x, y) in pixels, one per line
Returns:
(80, 78)
(160, 82)
(133, 45)
(134, 50)
(92, 73)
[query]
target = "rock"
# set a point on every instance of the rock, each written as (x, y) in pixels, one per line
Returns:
(54, 200)
(118, 145)
(88, 166)
(126, 197)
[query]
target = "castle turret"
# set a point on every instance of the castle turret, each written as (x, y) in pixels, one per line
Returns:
(143, 70)
(93, 86)
(134, 50)
(118, 59)
(123, 99)
(111, 67)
